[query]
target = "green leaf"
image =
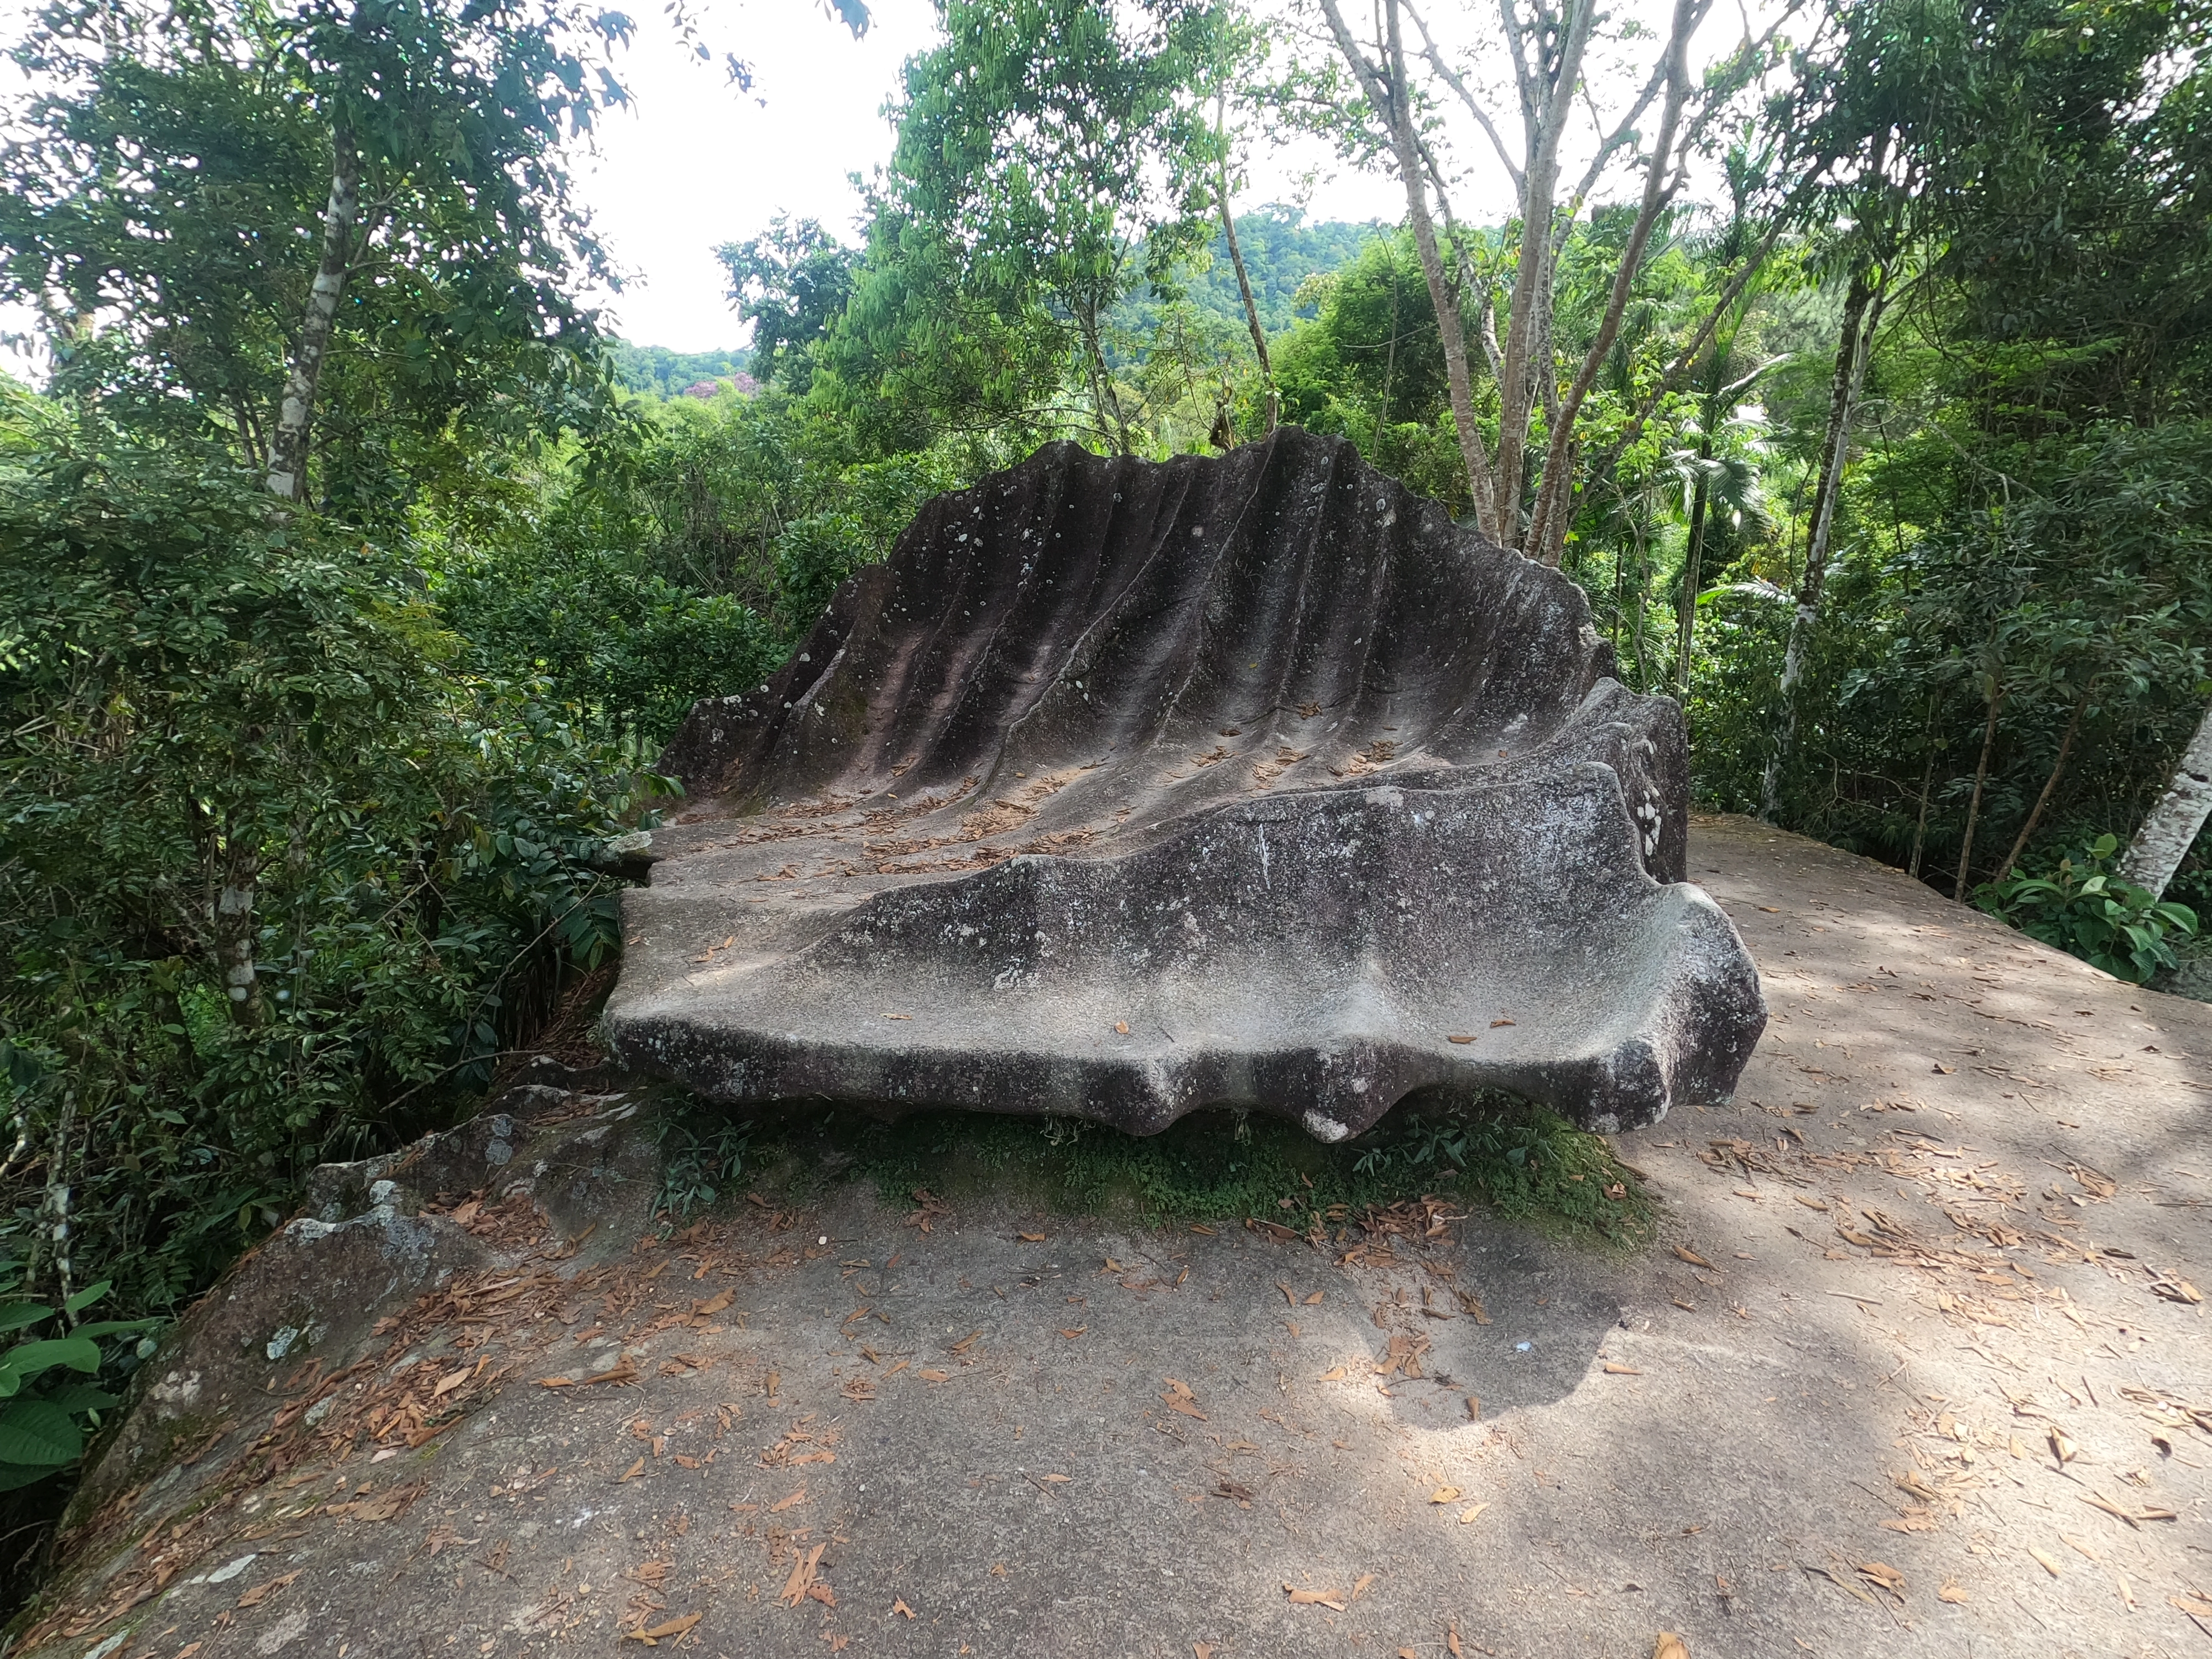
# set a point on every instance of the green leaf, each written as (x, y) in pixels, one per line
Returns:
(29, 1359)
(85, 1297)
(37, 1432)
(16, 1314)
(15, 1475)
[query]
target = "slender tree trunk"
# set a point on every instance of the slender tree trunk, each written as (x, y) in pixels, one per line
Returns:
(1545, 109)
(1390, 367)
(2035, 814)
(1981, 777)
(1693, 558)
(57, 1208)
(1387, 91)
(1244, 288)
(1920, 825)
(1105, 404)
(288, 448)
(2171, 829)
(234, 930)
(1852, 348)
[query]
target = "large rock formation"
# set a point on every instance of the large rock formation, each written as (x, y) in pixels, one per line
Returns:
(1122, 789)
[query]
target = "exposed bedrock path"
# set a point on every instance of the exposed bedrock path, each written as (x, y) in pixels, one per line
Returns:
(1948, 1220)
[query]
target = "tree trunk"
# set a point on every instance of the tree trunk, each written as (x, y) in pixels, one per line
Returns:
(1386, 92)
(1251, 308)
(288, 448)
(2171, 829)
(1545, 109)
(2058, 767)
(1853, 346)
(235, 931)
(1686, 604)
(1981, 777)
(1547, 530)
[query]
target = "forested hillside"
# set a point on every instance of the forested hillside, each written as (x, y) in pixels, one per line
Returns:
(1860, 370)
(666, 374)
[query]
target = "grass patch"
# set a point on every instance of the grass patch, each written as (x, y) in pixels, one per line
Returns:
(1521, 1161)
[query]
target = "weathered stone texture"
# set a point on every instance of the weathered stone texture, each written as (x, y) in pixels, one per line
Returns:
(1122, 789)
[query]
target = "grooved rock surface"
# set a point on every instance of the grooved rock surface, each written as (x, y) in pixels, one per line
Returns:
(1122, 789)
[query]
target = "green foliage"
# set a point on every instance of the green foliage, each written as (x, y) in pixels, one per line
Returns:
(2087, 910)
(1369, 367)
(1218, 1167)
(790, 282)
(684, 560)
(1050, 158)
(43, 1418)
(163, 201)
(664, 374)
(702, 1152)
(277, 877)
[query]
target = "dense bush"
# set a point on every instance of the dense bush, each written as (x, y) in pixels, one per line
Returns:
(278, 880)
(683, 560)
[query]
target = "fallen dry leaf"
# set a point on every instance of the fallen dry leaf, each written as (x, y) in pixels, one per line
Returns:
(1071, 1331)
(1451, 1640)
(2049, 1562)
(632, 1472)
(1468, 1515)
(1671, 1646)
(1692, 1257)
(800, 1584)
(1121, 1027)
(262, 1591)
(934, 1376)
(900, 1607)
(1950, 1592)
(1459, 1037)
(1359, 1585)
(1444, 1495)
(660, 1634)
(1888, 1578)
(1315, 1598)
(1335, 1373)
(1614, 1370)
(1495, 1023)
(1179, 1398)
(783, 1503)
(1031, 1238)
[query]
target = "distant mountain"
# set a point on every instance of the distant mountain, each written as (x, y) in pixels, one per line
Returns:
(1280, 252)
(670, 373)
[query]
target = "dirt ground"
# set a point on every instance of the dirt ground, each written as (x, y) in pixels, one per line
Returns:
(1918, 1364)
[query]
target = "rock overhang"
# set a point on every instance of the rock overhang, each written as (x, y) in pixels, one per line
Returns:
(1123, 789)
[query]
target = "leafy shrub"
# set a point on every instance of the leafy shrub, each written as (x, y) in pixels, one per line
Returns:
(42, 1422)
(279, 880)
(2087, 910)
